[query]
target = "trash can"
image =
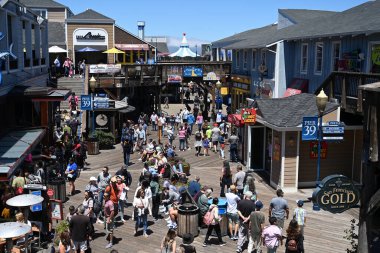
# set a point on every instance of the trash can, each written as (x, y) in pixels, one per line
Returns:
(58, 185)
(222, 206)
(187, 220)
(93, 147)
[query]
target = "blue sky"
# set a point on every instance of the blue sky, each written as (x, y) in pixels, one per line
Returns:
(202, 20)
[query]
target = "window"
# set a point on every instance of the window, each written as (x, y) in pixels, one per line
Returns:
(374, 57)
(304, 57)
(245, 63)
(237, 59)
(318, 58)
(263, 57)
(335, 56)
(10, 34)
(41, 12)
(253, 59)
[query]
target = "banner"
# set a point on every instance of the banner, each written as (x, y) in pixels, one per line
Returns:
(192, 72)
(105, 68)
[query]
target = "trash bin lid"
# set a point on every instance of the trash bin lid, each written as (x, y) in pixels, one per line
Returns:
(188, 208)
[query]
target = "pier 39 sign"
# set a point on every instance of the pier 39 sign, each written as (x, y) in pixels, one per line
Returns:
(336, 194)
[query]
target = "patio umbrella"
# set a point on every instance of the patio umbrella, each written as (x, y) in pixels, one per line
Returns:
(88, 49)
(113, 50)
(56, 49)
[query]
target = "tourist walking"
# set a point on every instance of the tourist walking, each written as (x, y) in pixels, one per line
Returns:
(109, 215)
(88, 204)
(166, 102)
(250, 186)
(226, 178)
(153, 120)
(215, 134)
(232, 212)
(294, 238)
(103, 179)
(199, 121)
(206, 145)
(256, 225)
(214, 223)
(122, 195)
(80, 229)
(279, 208)
(239, 180)
(233, 141)
(221, 146)
(245, 208)
(299, 215)
(71, 173)
(168, 243)
(198, 142)
(140, 203)
(181, 137)
(272, 236)
(66, 245)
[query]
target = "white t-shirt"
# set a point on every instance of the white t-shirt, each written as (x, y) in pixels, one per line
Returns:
(219, 118)
(153, 118)
(232, 200)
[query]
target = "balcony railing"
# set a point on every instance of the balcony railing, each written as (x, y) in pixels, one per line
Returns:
(344, 87)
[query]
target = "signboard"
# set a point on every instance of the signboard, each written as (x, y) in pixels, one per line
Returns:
(333, 131)
(56, 210)
(100, 103)
(224, 90)
(211, 76)
(249, 115)
(309, 128)
(37, 207)
(85, 102)
(192, 72)
(290, 92)
(174, 79)
(90, 37)
(336, 194)
(50, 193)
(105, 68)
(314, 150)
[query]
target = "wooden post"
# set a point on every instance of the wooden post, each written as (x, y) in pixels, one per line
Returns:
(130, 56)
(359, 105)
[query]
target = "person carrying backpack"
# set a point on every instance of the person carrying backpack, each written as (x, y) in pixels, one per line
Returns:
(294, 240)
(212, 219)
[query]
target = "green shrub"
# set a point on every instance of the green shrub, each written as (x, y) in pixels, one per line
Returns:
(106, 139)
(63, 226)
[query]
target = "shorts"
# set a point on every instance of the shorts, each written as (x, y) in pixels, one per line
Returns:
(109, 227)
(71, 179)
(215, 143)
(82, 246)
(233, 218)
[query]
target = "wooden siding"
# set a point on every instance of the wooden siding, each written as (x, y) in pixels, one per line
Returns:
(108, 27)
(348, 44)
(290, 165)
(56, 15)
(332, 116)
(122, 37)
(338, 159)
(276, 159)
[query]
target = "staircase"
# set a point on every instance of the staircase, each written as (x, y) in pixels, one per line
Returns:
(74, 84)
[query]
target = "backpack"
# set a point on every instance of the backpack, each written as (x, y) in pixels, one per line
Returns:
(97, 206)
(209, 217)
(292, 245)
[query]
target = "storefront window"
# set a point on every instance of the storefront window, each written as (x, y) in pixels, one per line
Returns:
(375, 58)
(245, 63)
(304, 58)
(237, 58)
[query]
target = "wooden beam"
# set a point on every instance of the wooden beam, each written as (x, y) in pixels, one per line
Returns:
(344, 94)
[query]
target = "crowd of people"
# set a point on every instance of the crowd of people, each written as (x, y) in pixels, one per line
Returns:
(67, 67)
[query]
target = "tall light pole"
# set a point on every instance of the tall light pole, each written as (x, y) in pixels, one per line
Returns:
(218, 86)
(321, 101)
(92, 87)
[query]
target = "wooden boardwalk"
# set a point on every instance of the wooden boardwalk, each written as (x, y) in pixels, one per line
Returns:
(323, 232)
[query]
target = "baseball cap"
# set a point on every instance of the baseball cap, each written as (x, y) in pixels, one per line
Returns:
(300, 203)
(259, 204)
(92, 178)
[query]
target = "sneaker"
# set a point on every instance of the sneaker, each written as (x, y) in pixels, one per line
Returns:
(139, 159)
(236, 237)
(109, 245)
(232, 238)
(238, 251)
(174, 225)
(222, 243)
(100, 221)
(205, 244)
(145, 235)
(167, 219)
(122, 220)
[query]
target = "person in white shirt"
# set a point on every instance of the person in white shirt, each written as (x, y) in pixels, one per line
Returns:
(219, 117)
(153, 120)
(232, 212)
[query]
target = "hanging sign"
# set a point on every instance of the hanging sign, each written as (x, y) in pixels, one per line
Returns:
(336, 194)
(105, 68)
(249, 115)
(192, 72)
(309, 128)
(314, 150)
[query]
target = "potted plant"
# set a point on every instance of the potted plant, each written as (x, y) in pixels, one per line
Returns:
(106, 139)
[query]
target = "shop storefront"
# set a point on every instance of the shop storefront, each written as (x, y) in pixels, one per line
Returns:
(275, 147)
(240, 90)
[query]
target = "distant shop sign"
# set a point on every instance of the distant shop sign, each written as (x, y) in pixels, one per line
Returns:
(249, 115)
(211, 76)
(314, 150)
(336, 194)
(89, 36)
(309, 128)
(101, 103)
(333, 131)
(192, 72)
(105, 68)
(174, 79)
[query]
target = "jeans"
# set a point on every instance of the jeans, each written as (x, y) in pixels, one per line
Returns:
(199, 127)
(191, 128)
(142, 219)
(182, 144)
(233, 153)
(221, 152)
(127, 156)
(101, 195)
(272, 250)
(217, 230)
(254, 242)
(121, 204)
(154, 126)
(155, 205)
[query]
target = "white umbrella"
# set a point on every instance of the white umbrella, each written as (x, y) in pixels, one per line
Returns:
(56, 49)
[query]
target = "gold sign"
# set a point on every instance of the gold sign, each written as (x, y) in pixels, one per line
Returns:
(224, 90)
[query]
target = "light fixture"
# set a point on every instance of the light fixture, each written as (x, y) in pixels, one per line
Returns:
(92, 83)
(218, 84)
(321, 101)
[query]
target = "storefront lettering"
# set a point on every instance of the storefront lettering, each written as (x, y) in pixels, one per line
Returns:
(90, 36)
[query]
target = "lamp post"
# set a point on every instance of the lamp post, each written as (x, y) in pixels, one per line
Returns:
(218, 86)
(321, 101)
(92, 87)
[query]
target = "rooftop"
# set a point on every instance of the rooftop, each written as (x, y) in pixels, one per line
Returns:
(90, 16)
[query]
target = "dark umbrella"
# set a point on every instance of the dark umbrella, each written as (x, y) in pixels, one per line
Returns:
(86, 50)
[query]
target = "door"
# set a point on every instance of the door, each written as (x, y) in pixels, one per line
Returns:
(257, 148)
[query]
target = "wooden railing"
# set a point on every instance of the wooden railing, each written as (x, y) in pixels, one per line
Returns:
(344, 87)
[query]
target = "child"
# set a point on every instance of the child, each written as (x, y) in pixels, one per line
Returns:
(186, 246)
(205, 144)
(300, 215)
(272, 235)
(221, 144)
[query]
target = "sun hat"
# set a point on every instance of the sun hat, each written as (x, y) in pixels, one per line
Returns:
(113, 179)
(93, 179)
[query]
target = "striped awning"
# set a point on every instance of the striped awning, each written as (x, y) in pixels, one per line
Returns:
(134, 47)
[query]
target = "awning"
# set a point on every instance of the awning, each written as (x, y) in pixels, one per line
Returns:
(236, 120)
(15, 146)
(128, 109)
(374, 202)
(134, 47)
(56, 49)
(41, 93)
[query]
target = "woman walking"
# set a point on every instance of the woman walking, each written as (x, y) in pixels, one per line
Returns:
(122, 195)
(182, 137)
(199, 121)
(206, 145)
(140, 203)
(168, 244)
(65, 243)
(214, 225)
(226, 178)
(294, 240)
(198, 142)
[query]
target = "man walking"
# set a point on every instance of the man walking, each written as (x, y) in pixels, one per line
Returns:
(233, 140)
(103, 181)
(279, 208)
(239, 180)
(256, 226)
(232, 212)
(153, 120)
(245, 207)
(80, 229)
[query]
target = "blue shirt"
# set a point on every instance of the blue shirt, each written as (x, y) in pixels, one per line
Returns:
(194, 188)
(170, 152)
(72, 167)
(190, 119)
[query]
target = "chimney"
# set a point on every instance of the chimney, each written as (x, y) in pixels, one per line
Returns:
(141, 27)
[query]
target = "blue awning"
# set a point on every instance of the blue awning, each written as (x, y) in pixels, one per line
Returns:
(15, 146)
